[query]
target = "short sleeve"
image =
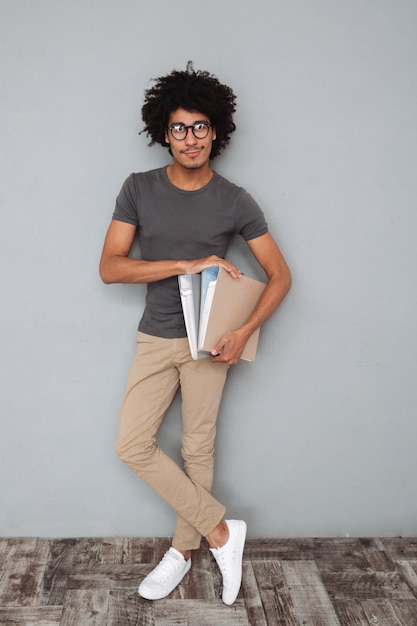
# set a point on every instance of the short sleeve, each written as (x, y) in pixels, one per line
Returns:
(126, 209)
(250, 217)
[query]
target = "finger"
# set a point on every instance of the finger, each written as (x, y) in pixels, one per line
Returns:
(232, 269)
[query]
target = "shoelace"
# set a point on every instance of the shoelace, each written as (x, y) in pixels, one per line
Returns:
(165, 567)
(221, 558)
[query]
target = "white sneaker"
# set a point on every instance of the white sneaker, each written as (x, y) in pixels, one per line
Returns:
(229, 559)
(165, 577)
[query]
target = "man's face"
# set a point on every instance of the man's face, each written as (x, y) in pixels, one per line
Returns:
(191, 153)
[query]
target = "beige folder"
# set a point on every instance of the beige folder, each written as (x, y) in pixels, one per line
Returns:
(231, 303)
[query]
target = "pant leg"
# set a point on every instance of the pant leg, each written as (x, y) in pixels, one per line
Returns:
(152, 382)
(202, 384)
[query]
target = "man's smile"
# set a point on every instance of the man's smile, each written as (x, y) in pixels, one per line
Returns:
(192, 151)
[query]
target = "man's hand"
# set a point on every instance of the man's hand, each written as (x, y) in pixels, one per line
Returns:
(198, 265)
(229, 348)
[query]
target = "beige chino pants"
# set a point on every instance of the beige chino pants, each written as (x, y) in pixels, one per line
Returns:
(159, 368)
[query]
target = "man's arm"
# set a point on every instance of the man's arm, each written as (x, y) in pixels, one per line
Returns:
(268, 255)
(117, 267)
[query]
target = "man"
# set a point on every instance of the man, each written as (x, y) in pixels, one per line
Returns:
(185, 216)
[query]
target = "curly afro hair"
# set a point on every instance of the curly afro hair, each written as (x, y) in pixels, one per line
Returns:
(193, 91)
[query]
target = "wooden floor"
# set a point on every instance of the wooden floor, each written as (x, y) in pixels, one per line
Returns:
(314, 582)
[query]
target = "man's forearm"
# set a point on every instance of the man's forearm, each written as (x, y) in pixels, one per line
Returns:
(121, 269)
(274, 293)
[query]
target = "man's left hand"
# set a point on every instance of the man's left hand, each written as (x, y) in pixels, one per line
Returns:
(229, 349)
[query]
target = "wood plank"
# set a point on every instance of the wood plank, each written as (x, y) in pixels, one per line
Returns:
(23, 570)
(408, 570)
(338, 555)
(399, 548)
(380, 612)
(57, 571)
(107, 576)
(4, 547)
(31, 616)
(312, 604)
(127, 608)
(276, 599)
(132, 550)
(87, 552)
(140, 550)
(364, 586)
(253, 602)
(199, 613)
(113, 550)
(301, 548)
(406, 611)
(350, 613)
(256, 549)
(376, 556)
(86, 607)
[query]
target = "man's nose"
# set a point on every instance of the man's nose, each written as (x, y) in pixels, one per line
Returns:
(190, 139)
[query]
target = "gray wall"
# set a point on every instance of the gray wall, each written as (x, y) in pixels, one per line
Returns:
(318, 437)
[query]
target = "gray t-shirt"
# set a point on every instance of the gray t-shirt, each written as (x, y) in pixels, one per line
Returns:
(177, 224)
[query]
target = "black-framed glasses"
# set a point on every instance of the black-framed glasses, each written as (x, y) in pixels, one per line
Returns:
(179, 131)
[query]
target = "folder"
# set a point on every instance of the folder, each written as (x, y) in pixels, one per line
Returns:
(214, 303)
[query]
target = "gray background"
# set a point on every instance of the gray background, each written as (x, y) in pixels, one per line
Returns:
(318, 437)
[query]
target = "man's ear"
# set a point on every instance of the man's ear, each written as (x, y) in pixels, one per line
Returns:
(166, 137)
(214, 134)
